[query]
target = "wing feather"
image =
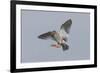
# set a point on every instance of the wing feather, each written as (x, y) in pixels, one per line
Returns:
(47, 35)
(66, 26)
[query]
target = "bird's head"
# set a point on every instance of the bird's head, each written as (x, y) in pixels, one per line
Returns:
(53, 32)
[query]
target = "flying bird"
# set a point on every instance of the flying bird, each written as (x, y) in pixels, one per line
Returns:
(60, 37)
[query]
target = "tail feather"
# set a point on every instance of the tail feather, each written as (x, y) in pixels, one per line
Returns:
(65, 46)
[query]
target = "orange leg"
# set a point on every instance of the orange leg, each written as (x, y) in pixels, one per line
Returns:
(56, 45)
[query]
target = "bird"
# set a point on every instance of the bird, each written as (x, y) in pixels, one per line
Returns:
(60, 37)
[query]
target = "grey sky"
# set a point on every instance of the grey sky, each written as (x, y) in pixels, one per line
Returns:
(35, 23)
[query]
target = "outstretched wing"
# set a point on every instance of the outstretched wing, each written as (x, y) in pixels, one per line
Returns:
(47, 35)
(65, 29)
(66, 26)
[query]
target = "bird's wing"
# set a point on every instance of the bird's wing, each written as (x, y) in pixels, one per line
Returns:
(66, 26)
(45, 36)
(65, 29)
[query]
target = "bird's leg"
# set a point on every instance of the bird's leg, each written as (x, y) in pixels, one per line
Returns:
(56, 45)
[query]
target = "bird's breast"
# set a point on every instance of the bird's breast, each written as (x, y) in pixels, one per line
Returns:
(57, 37)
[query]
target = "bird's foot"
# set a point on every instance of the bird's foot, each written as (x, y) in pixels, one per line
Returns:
(56, 45)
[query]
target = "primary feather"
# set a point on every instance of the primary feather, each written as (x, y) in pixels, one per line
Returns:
(65, 29)
(45, 35)
(66, 26)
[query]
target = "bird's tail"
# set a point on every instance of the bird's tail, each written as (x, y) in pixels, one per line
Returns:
(65, 46)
